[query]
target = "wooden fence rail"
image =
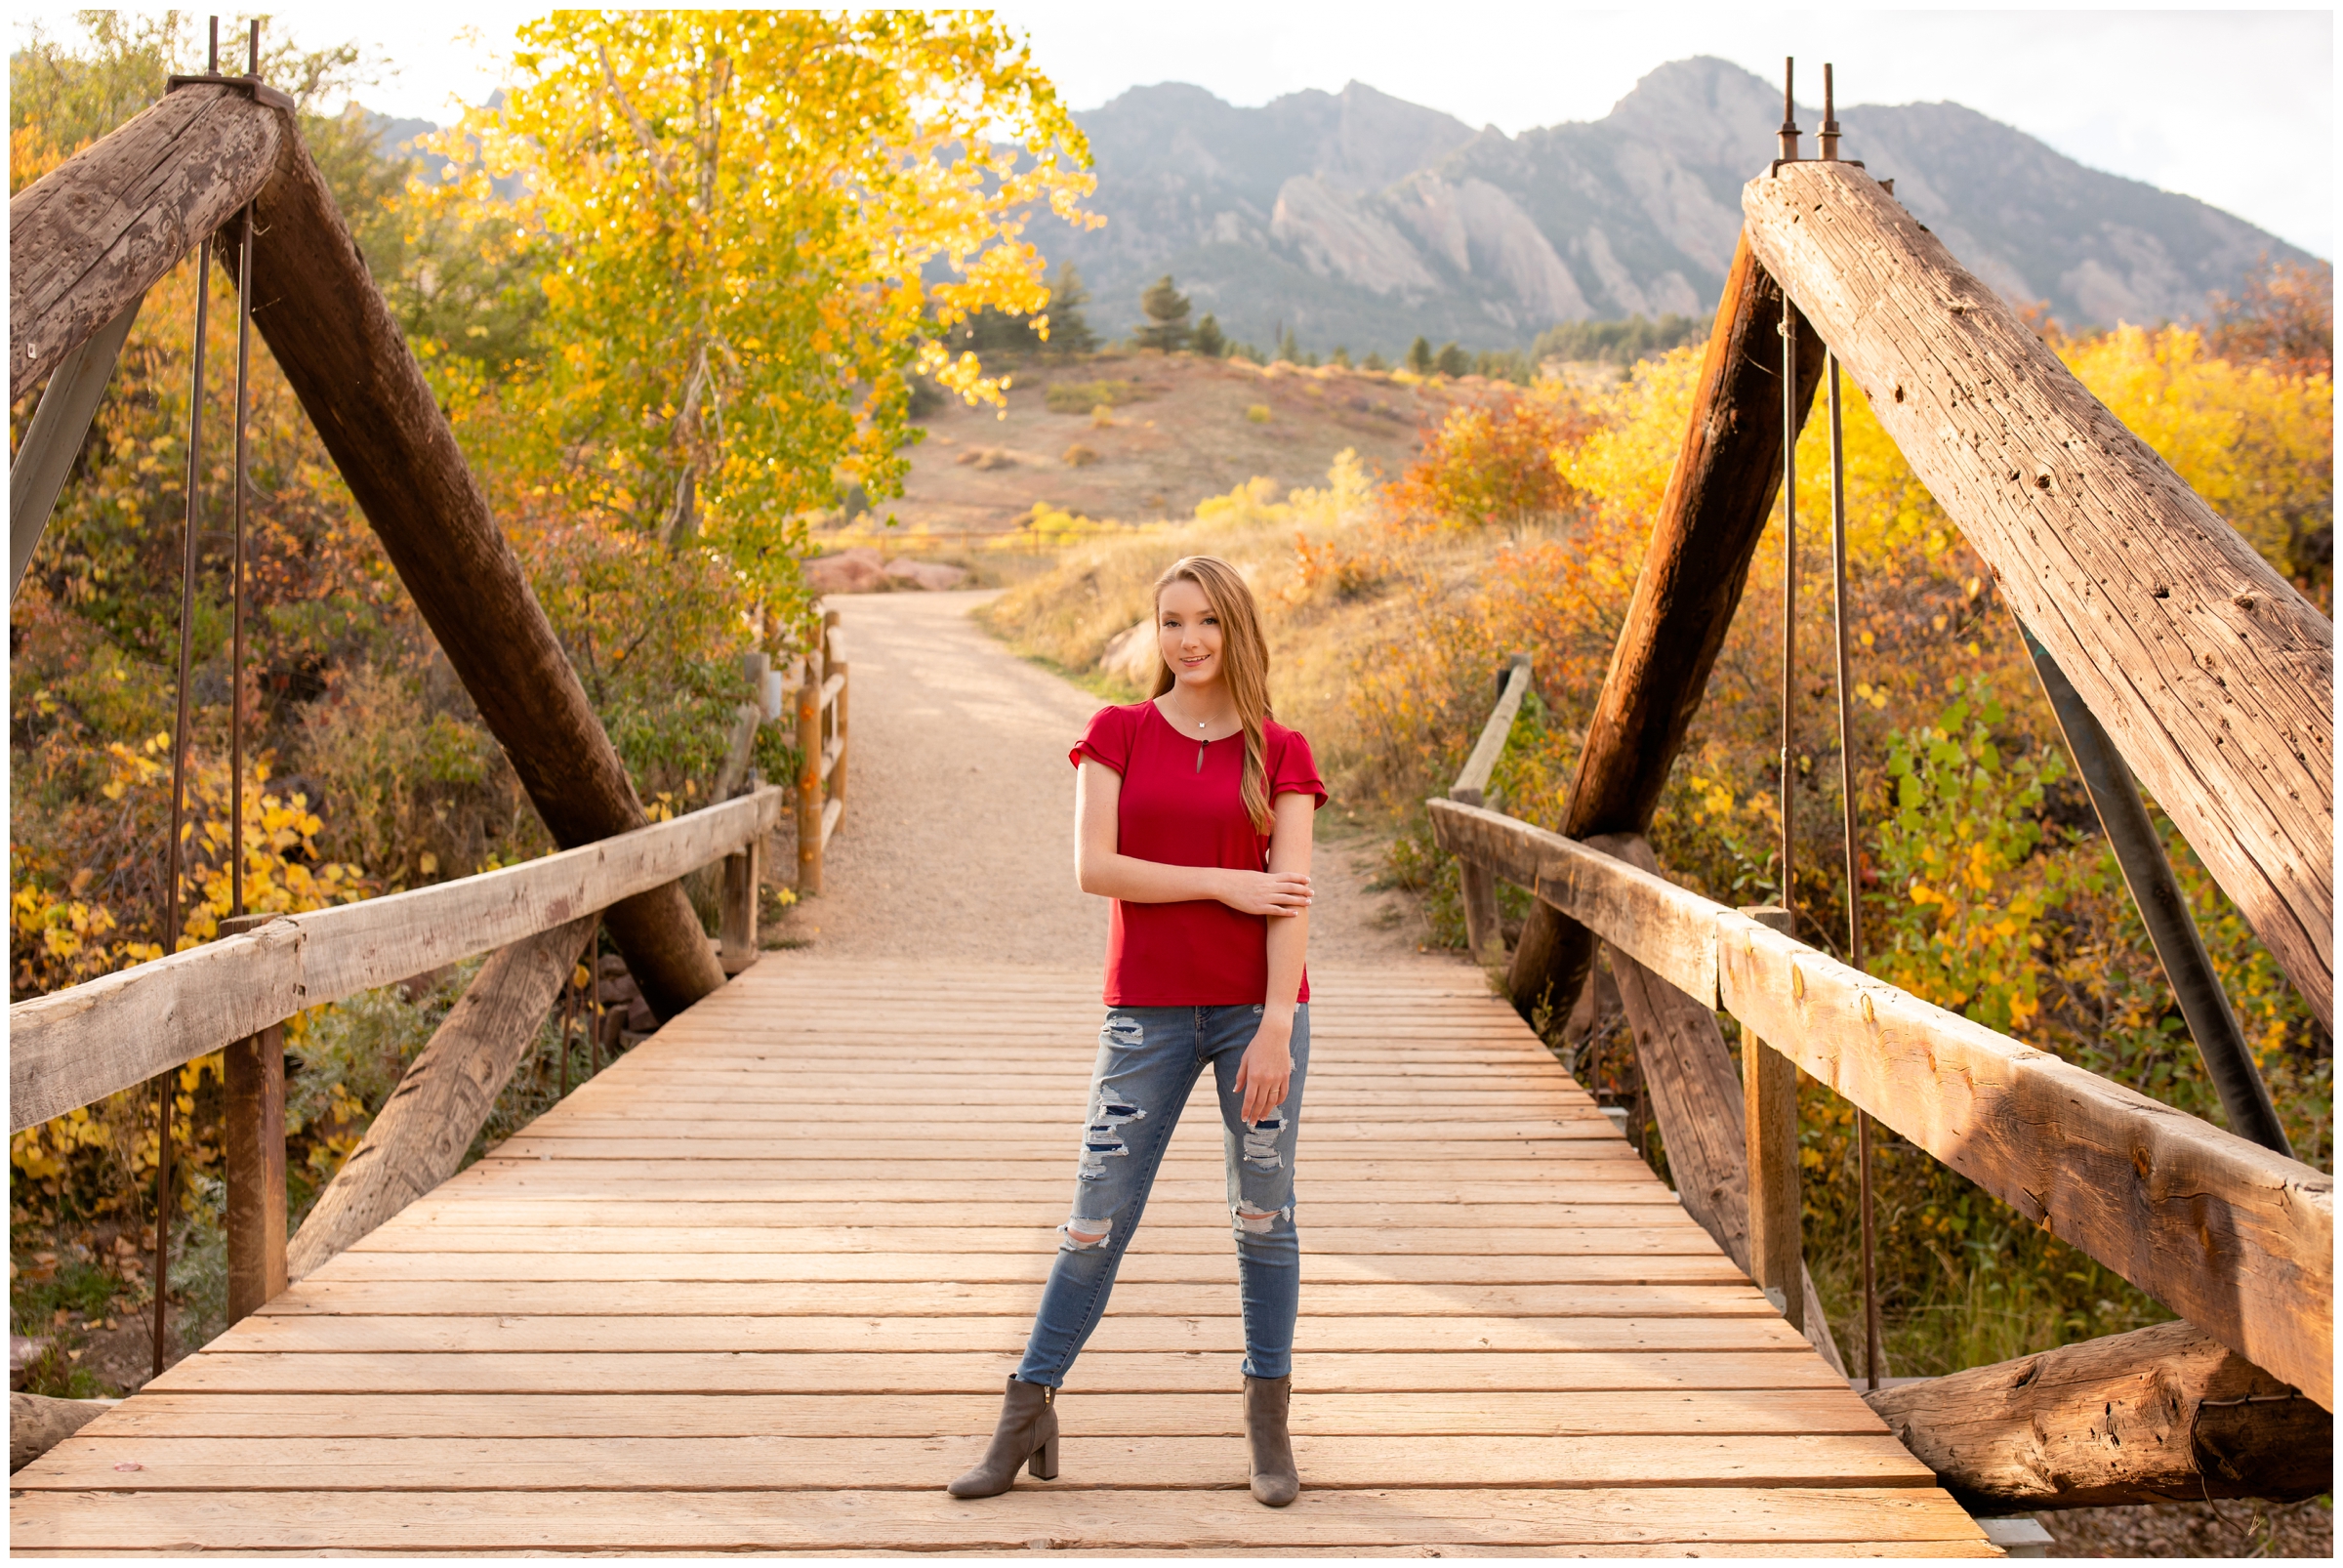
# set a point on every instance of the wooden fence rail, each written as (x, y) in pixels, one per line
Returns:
(78, 1045)
(2235, 1238)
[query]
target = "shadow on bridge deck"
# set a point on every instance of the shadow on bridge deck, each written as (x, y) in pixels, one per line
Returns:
(756, 1286)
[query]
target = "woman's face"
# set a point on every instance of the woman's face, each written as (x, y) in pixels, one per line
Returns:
(1189, 633)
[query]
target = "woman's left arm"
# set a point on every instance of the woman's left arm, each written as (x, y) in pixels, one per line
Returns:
(1268, 1064)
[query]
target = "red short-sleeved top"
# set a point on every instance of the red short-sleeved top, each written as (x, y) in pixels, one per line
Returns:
(1174, 811)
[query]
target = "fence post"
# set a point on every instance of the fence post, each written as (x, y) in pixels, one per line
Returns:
(833, 660)
(254, 1111)
(810, 779)
(1770, 1099)
(1484, 929)
(738, 922)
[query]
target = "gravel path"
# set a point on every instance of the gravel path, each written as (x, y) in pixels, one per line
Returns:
(957, 840)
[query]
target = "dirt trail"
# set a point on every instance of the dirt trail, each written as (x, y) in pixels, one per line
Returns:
(958, 836)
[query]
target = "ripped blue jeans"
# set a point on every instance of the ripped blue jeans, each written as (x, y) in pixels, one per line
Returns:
(1149, 1058)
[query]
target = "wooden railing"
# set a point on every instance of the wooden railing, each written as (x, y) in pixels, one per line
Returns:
(822, 752)
(2238, 1240)
(72, 1047)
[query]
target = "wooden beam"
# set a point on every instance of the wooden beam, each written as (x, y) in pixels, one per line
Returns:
(1669, 930)
(419, 1137)
(75, 1045)
(2237, 1239)
(2162, 1414)
(94, 233)
(1720, 494)
(2215, 678)
(1769, 1097)
(334, 339)
(253, 1114)
(737, 932)
(37, 1423)
(1769, 1086)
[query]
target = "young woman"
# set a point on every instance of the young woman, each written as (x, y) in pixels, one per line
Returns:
(1192, 812)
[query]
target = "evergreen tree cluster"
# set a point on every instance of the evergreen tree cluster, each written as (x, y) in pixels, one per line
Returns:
(993, 332)
(1617, 342)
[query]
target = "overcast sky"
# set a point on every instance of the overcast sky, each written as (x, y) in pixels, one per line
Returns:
(2235, 107)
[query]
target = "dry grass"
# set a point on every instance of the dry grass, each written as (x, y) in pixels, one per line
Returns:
(1333, 580)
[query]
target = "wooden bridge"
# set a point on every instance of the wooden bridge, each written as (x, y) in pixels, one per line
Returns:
(755, 1287)
(774, 1312)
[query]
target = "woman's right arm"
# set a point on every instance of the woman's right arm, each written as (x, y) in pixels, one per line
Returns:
(1102, 868)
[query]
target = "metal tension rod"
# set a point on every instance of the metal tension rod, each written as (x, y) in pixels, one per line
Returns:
(168, 1082)
(236, 590)
(1789, 593)
(2148, 874)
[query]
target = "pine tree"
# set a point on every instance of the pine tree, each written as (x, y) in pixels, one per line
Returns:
(1342, 357)
(1453, 360)
(1289, 348)
(1210, 340)
(1419, 357)
(1069, 333)
(1167, 310)
(1372, 361)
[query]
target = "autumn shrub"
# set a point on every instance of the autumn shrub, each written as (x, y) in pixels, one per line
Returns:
(1496, 460)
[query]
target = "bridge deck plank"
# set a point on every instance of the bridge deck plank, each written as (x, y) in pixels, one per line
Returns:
(781, 1322)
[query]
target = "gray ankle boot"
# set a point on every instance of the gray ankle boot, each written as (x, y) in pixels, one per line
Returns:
(1026, 1435)
(1274, 1481)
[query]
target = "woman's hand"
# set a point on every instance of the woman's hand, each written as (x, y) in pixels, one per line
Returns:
(1265, 892)
(1267, 1068)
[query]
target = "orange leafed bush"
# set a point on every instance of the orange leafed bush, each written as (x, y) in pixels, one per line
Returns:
(1497, 461)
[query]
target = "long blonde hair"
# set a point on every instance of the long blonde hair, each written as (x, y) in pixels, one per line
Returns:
(1244, 665)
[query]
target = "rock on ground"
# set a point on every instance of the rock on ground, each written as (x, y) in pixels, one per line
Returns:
(861, 570)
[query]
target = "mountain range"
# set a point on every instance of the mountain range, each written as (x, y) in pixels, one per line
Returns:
(1360, 219)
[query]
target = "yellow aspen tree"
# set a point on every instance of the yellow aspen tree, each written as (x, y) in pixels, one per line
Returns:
(755, 226)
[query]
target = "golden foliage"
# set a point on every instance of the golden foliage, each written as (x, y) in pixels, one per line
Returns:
(739, 211)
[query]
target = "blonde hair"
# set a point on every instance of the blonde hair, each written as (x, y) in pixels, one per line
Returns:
(1244, 665)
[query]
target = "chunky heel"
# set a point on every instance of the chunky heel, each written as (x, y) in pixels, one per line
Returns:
(1275, 1482)
(1027, 1436)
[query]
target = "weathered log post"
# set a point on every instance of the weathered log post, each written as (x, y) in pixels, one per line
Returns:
(253, 1114)
(737, 924)
(95, 232)
(2215, 678)
(2168, 1413)
(1769, 1084)
(1719, 496)
(332, 335)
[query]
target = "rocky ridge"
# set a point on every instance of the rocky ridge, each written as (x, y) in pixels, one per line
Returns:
(1360, 219)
